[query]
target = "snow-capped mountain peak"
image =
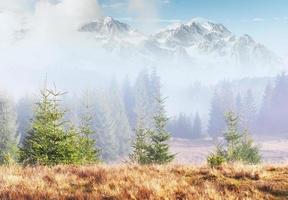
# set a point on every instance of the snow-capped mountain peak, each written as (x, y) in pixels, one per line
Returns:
(193, 32)
(208, 25)
(203, 38)
(107, 26)
(197, 40)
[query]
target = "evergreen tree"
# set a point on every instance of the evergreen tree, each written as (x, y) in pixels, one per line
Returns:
(88, 152)
(142, 99)
(50, 141)
(121, 127)
(158, 150)
(238, 147)
(232, 137)
(104, 125)
(147, 90)
(8, 131)
(140, 147)
(111, 123)
(197, 127)
(150, 146)
(181, 127)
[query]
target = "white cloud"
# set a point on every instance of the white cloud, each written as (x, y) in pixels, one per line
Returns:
(47, 18)
(62, 20)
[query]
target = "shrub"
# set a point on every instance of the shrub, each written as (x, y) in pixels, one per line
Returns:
(215, 160)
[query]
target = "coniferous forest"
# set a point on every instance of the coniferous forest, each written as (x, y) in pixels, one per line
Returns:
(109, 120)
(143, 100)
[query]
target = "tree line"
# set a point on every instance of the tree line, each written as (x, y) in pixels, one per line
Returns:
(114, 114)
(265, 119)
(117, 115)
(52, 140)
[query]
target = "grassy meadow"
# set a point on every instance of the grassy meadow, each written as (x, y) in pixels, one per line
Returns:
(117, 182)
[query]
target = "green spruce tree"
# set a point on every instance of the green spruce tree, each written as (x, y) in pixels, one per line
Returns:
(158, 151)
(140, 147)
(150, 146)
(51, 140)
(238, 147)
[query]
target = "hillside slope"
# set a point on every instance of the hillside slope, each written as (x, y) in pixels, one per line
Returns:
(150, 182)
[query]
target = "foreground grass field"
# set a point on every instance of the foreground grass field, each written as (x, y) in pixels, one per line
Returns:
(148, 182)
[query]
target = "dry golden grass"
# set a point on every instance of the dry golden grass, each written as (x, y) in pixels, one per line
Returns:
(143, 182)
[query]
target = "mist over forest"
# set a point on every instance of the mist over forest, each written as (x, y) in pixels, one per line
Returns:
(120, 66)
(143, 99)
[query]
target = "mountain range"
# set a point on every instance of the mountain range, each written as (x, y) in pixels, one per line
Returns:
(198, 40)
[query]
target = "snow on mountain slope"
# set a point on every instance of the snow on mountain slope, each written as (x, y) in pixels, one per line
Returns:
(109, 30)
(192, 33)
(207, 39)
(115, 36)
(107, 27)
(198, 41)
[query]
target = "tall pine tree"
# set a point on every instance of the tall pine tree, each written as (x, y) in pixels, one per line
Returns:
(104, 125)
(122, 129)
(158, 150)
(150, 146)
